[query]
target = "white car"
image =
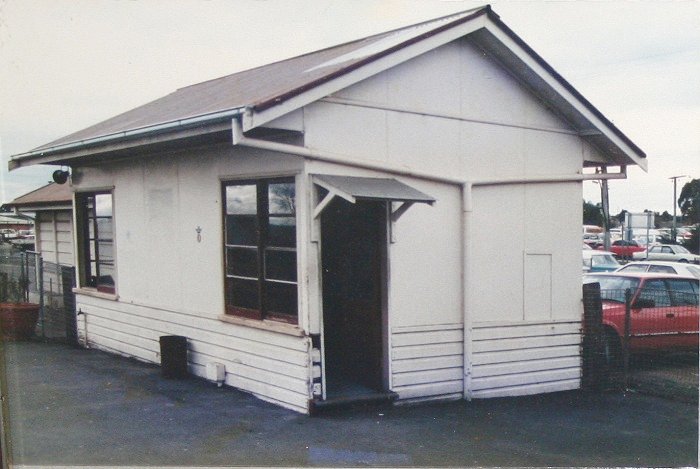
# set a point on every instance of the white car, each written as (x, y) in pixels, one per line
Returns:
(667, 252)
(599, 261)
(676, 268)
(650, 240)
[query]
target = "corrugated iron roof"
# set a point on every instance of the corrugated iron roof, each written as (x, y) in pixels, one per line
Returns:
(260, 87)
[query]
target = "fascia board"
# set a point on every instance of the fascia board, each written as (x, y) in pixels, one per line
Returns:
(44, 208)
(560, 89)
(253, 119)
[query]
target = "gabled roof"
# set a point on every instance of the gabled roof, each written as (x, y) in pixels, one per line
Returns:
(261, 94)
(51, 195)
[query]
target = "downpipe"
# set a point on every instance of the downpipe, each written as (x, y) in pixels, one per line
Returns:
(85, 327)
(466, 288)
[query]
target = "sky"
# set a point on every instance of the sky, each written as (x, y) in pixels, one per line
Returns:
(68, 64)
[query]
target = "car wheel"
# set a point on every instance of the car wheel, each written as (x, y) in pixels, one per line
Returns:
(683, 261)
(612, 349)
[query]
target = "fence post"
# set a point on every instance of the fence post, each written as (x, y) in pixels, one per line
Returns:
(67, 284)
(592, 356)
(24, 272)
(626, 341)
(40, 287)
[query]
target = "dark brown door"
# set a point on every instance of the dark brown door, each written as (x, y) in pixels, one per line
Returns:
(353, 240)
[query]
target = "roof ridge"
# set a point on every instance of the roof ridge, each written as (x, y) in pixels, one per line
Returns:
(343, 44)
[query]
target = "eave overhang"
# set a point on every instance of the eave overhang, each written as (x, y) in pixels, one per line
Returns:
(165, 134)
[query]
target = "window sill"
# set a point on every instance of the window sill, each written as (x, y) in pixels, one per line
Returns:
(266, 325)
(96, 294)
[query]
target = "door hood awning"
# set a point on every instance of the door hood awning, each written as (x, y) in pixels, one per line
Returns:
(353, 189)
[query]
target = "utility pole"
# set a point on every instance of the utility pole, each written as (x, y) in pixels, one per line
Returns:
(3, 166)
(675, 203)
(606, 208)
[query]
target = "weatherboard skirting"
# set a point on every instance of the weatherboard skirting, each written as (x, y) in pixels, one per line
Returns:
(273, 366)
(512, 359)
(192, 319)
(427, 361)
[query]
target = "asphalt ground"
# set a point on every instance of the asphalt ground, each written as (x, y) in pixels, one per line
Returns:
(71, 406)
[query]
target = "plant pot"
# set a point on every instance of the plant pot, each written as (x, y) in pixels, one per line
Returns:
(18, 320)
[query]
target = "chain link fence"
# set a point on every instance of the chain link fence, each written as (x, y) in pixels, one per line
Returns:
(642, 340)
(49, 285)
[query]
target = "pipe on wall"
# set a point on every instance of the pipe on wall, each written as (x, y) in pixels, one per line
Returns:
(466, 287)
(238, 138)
(466, 186)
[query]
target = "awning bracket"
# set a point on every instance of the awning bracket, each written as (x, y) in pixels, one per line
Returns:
(323, 204)
(396, 214)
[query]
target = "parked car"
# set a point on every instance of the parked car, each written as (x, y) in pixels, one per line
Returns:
(664, 311)
(683, 234)
(599, 261)
(651, 240)
(667, 252)
(8, 233)
(676, 268)
(624, 249)
(593, 240)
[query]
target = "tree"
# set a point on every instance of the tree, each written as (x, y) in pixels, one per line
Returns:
(689, 201)
(622, 216)
(592, 214)
(666, 217)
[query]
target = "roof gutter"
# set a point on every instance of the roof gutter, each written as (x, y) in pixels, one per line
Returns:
(23, 159)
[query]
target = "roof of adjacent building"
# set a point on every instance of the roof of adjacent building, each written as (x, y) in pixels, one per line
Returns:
(262, 88)
(51, 194)
(9, 219)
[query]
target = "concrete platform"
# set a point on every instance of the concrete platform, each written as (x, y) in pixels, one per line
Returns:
(71, 406)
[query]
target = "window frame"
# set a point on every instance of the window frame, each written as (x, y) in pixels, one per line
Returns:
(656, 289)
(262, 249)
(91, 243)
(680, 297)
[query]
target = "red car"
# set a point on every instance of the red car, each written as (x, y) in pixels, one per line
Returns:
(623, 249)
(664, 314)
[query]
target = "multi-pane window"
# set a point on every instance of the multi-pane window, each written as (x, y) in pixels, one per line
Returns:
(260, 249)
(95, 219)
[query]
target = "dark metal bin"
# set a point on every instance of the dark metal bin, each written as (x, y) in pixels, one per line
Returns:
(173, 356)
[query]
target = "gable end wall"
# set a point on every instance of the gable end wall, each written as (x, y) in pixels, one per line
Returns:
(454, 112)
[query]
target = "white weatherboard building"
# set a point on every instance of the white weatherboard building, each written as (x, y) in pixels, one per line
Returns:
(327, 228)
(52, 210)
